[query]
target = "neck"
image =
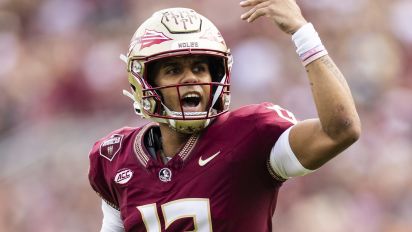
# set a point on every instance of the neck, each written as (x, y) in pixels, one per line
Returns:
(172, 141)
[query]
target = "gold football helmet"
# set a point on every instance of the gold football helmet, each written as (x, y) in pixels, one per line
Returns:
(177, 32)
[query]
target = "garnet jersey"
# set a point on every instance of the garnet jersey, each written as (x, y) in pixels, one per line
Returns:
(219, 181)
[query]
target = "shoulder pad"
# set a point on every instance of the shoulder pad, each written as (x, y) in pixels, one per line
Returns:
(109, 146)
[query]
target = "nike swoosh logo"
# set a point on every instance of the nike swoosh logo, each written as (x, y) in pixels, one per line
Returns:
(204, 162)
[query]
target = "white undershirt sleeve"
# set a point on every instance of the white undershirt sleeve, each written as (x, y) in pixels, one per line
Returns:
(283, 161)
(111, 219)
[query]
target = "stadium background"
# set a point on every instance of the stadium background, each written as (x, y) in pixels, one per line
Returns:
(60, 90)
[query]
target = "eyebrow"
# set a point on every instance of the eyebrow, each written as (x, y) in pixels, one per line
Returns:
(168, 63)
(200, 60)
(174, 62)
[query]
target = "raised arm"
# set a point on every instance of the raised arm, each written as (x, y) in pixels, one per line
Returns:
(314, 141)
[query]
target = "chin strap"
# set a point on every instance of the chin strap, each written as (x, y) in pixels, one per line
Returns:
(126, 93)
(123, 57)
(136, 105)
(178, 113)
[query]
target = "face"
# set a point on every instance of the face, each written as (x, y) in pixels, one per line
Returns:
(184, 70)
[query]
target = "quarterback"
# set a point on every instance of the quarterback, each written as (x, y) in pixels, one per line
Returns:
(198, 166)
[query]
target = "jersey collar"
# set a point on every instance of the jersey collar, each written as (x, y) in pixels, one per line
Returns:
(143, 155)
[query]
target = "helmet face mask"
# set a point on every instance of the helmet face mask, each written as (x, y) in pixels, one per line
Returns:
(178, 32)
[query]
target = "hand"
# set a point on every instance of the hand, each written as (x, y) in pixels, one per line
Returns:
(285, 13)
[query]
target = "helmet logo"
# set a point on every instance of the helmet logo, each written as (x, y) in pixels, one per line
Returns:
(214, 36)
(148, 39)
(182, 21)
(165, 175)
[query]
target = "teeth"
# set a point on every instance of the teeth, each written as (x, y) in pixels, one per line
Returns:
(192, 95)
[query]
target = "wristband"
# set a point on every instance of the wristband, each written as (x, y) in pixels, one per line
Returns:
(309, 47)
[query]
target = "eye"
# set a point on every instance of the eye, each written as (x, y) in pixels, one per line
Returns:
(199, 68)
(172, 70)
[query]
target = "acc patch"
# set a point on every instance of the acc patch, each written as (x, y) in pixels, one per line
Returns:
(123, 176)
(110, 147)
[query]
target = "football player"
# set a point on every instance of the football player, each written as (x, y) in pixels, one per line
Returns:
(198, 166)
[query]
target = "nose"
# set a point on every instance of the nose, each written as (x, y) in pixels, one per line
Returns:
(189, 77)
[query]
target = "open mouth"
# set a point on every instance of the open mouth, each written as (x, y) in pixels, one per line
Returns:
(191, 102)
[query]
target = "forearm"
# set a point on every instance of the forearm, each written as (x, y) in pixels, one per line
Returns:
(333, 100)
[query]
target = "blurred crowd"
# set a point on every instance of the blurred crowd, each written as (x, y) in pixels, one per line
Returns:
(60, 90)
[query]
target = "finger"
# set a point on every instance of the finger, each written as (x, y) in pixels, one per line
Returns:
(256, 14)
(244, 3)
(261, 5)
(247, 3)
(248, 14)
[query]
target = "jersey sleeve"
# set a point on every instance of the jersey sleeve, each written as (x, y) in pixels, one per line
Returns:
(97, 177)
(271, 121)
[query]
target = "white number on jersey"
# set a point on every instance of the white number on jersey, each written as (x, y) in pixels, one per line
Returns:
(285, 114)
(196, 208)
